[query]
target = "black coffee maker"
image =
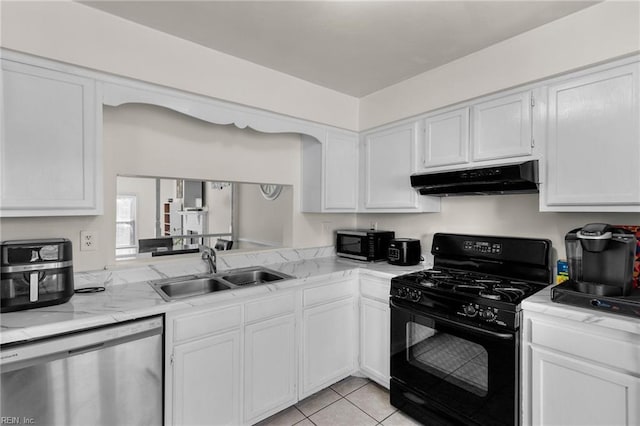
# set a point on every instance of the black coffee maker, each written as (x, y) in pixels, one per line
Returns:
(601, 259)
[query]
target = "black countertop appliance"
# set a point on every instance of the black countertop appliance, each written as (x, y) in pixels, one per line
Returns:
(404, 252)
(35, 273)
(601, 260)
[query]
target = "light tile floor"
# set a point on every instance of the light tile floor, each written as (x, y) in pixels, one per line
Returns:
(354, 401)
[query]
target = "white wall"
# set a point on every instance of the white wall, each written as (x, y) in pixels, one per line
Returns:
(74, 33)
(604, 31)
(506, 215)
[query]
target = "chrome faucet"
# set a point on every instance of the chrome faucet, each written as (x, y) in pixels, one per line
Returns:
(209, 256)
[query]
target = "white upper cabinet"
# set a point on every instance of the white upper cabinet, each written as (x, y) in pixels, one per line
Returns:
(50, 162)
(446, 139)
(496, 129)
(330, 172)
(389, 158)
(593, 145)
(341, 171)
(501, 127)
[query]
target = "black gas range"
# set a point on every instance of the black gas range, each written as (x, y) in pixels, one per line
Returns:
(487, 300)
(454, 328)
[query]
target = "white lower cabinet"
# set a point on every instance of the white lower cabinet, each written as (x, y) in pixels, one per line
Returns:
(579, 374)
(375, 319)
(270, 358)
(569, 391)
(329, 336)
(374, 340)
(207, 381)
(241, 363)
(202, 383)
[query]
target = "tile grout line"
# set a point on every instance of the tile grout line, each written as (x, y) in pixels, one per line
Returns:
(308, 417)
(353, 404)
(379, 422)
(337, 393)
(369, 415)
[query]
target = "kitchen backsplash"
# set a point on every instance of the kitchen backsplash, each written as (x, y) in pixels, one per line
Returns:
(506, 215)
(193, 265)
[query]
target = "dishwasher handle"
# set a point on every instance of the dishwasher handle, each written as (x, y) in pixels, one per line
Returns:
(85, 349)
(13, 357)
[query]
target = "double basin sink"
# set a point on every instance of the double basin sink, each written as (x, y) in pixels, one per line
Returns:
(196, 285)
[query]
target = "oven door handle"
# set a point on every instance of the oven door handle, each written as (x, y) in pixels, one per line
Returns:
(477, 330)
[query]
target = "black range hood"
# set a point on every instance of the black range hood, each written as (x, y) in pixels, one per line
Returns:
(504, 179)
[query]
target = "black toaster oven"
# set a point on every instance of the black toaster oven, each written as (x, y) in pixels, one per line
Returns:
(35, 273)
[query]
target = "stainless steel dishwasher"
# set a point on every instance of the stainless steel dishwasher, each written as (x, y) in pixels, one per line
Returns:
(103, 376)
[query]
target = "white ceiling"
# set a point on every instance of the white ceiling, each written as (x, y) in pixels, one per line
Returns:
(354, 47)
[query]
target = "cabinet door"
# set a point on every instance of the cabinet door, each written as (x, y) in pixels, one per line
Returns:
(593, 147)
(270, 367)
(49, 154)
(502, 127)
(329, 344)
(206, 381)
(446, 138)
(389, 161)
(340, 172)
(568, 391)
(374, 340)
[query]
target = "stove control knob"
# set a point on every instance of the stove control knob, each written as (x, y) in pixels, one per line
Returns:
(470, 311)
(488, 315)
(402, 293)
(415, 296)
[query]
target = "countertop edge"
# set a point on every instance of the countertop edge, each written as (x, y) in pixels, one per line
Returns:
(11, 334)
(541, 303)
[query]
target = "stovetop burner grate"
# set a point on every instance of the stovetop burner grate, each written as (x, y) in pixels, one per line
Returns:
(471, 284)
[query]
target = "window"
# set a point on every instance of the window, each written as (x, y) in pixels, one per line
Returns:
(126, 225)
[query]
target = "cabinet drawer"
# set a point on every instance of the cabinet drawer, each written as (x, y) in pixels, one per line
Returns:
(206, 322)
(601, 349)
(328, 292)
(268, 308)
(375, 288)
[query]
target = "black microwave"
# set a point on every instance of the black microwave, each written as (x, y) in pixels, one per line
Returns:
(363, 244)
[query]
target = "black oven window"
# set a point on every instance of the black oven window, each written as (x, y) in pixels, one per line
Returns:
(460, 362)
(351, 244)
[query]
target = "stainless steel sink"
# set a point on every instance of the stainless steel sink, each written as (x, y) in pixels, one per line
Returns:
(253, 276)
(189, 286)
(197, 285)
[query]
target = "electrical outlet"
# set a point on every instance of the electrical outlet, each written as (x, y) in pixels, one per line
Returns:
(326, 227)
(88, 240)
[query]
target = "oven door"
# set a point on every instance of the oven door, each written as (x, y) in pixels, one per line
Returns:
(447, 372)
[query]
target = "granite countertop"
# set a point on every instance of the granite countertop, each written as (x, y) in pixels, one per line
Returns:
(129, 296)
(541, 303)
